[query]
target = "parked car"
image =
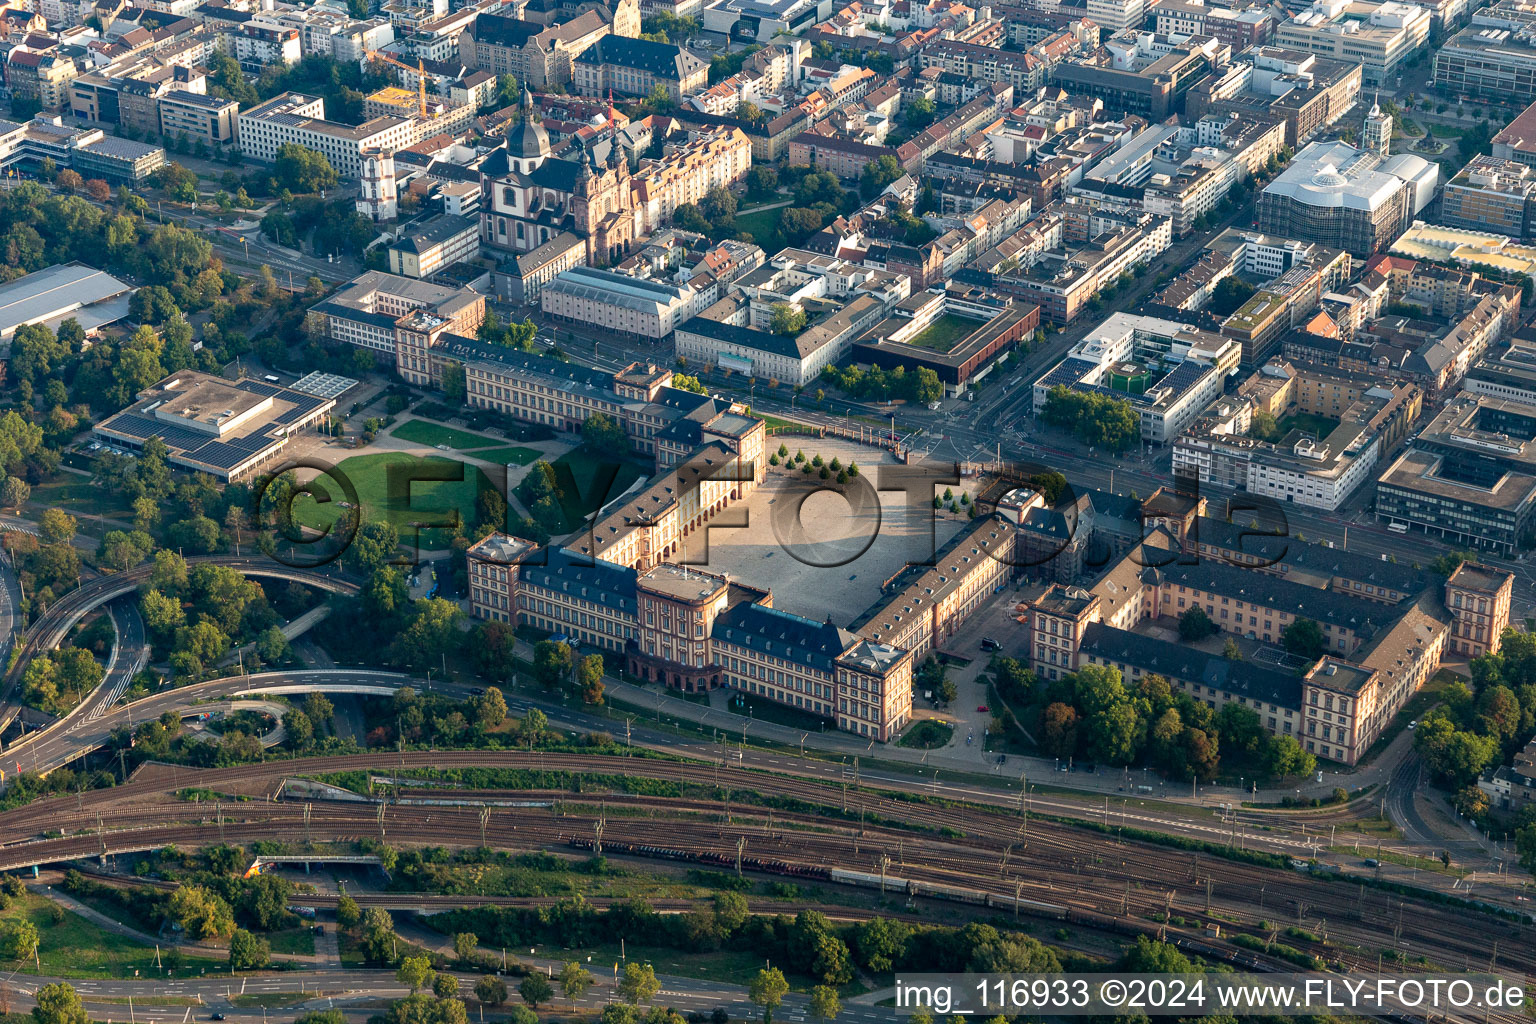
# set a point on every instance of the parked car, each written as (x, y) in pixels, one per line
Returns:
(982, 707)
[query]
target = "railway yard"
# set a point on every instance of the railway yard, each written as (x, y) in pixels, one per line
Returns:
(1018, 865)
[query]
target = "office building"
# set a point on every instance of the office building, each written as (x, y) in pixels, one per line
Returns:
(1346, 198)
(433, 245)
(1378, 36)
(633, 67)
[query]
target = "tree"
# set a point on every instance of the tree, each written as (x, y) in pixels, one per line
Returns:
(786, 319)
(1058, 730)
(445, 986)
(605, 436)
(19, 940)
(638, 984)
(177, 182)
(301, 169)
(58, 1004)
(535, 989)
(824, 1003)
(919, 114)
(1231, 651)
(551, 663)
(202, 913)
(1195, 625)
(589, 678)
(464, 944)
(272, 645)
(767, 990)
(1229, 295)
(56, 527)
(575, 980)
(378, 934)
(491, 708)
(877, 174)
(683, 382)
(491, 990)
(1304, 638)
(415, 972)
(247, 952)
(1263, 426)
(14, 493)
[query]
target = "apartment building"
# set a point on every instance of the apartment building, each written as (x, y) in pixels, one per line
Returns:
(291, 117)
(1307, 92)
(1238, 26)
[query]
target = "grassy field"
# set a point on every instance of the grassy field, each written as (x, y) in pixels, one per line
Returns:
(421, 500)
(516, 456)
(434, 434)
(587, 483)
(926, 734)
(943, 333)
(77, 948)
(292, 940)
(1320, 426)
(71, 493)
(760, 224)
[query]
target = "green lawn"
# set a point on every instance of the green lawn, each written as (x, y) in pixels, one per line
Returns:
(434, 434)
(72, 493)
(292, 940)
(1319, 426)
(760, 224)
(77, 948)
(943, 333)
(926, 734)
(587, 483)
(416, 501)
(517, 456)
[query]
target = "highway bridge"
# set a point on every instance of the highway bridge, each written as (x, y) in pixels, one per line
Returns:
(54, 625)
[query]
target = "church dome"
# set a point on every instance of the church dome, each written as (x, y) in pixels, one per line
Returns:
(528, 139)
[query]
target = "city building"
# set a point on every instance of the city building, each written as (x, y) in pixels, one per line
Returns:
(521, 278)
(1169, 372)
(93, 298)
(1512, 788)
(620, 304)
(1238, 26)
(840, 299)
(433, 245)
(1517, 140)
(293, 118)
(117, 161)
(540, 56)
(230, 430)
(1466, 248)
(1347, 422)
(1469, 476)
(1494, 195)
(1309, 93)
(1493, 56)
(1346, 198)
(959, 335)
(1376, 132)
(1477, 596)
(198, 116)
(1378, 36)
(634, 67)
(366, 311)
(1150, 80)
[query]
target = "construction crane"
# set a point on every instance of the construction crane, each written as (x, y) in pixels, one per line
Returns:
(421, 77)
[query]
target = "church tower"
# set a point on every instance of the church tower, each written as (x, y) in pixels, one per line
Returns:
(1376, 137)
(379, 199)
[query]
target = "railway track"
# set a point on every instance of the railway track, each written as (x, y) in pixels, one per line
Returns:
(990, 851)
